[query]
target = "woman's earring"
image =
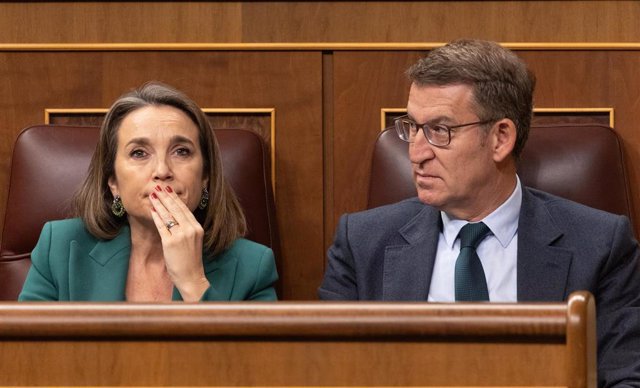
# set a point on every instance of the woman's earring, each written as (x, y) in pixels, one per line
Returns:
(204, 200)
(116, 206)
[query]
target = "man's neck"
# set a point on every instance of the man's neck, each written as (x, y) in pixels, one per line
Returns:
(487, 200)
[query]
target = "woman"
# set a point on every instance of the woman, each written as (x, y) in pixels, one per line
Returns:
(156, 219)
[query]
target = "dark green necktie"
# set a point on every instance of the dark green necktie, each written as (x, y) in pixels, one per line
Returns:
(471, 284)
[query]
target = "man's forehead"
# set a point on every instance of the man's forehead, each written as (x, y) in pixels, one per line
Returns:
(440, 99)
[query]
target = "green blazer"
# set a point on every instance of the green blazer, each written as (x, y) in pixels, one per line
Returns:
(69, 264)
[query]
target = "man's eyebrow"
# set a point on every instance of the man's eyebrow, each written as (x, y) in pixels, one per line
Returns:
(431, 121)
(439, 119)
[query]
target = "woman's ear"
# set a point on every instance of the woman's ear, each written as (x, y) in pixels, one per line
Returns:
(113, 186)
(504, 139)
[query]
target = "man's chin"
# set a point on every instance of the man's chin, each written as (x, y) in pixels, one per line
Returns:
(428, 198)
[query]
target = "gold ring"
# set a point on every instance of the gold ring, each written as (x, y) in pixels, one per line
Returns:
(171, 224)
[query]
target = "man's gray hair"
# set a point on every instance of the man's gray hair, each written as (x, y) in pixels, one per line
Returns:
(502, 85)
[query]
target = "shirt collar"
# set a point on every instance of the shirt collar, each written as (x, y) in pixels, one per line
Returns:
(503, 221)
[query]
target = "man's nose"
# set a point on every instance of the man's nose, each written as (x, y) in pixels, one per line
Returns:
(420, 149)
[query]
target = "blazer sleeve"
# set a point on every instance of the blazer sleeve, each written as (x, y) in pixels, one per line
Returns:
(266, 276)
(339, 281)
(618, 311)
(259, 271)
(40, 284)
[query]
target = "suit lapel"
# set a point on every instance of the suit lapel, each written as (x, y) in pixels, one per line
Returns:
(543, 267)
(408, 268)
(103, 274)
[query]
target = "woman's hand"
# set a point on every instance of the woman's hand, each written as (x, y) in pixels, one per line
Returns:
(182, 237)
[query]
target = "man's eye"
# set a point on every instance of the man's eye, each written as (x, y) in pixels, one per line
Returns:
(439, 129)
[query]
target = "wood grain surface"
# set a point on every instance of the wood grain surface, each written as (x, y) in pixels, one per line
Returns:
(299, 344)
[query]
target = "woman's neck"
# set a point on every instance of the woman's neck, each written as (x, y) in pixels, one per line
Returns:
(146, 245)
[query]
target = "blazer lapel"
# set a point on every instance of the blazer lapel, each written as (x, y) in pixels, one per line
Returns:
(408, 268)
(543, 268)
(100, 274)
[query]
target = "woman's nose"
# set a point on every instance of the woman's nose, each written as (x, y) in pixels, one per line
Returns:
(162, 170)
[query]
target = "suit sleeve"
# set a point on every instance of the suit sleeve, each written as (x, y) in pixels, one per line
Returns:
(339, 281)
(40, 285)
(618, 312)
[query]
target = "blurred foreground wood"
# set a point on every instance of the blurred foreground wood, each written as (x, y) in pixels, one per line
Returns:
(299, 344)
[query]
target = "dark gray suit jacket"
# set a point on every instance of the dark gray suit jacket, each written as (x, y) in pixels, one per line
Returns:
(388, 253)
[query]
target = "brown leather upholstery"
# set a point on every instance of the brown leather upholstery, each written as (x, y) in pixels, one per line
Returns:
(49, 163)
(581, 162)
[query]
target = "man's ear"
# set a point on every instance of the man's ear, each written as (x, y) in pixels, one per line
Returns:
(503, 139)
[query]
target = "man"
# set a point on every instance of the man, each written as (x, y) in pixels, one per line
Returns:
(468, 117)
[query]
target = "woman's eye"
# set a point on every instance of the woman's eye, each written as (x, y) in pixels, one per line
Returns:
(183, 151)
(138, 154)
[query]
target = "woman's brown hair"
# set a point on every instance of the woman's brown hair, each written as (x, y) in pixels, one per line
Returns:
(222, 220)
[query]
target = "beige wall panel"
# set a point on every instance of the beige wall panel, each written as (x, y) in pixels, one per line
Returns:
(322, 21)
(365, 82)
(32, 82)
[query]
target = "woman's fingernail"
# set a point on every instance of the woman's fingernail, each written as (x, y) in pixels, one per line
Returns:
(158, 188)
(169, 189)
(154, 196)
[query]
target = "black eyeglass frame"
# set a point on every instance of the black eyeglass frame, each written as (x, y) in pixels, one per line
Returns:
(398, 125)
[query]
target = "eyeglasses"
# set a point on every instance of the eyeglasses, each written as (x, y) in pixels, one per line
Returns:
(438, 135)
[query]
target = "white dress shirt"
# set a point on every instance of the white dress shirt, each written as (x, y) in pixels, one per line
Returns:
(498, 253)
